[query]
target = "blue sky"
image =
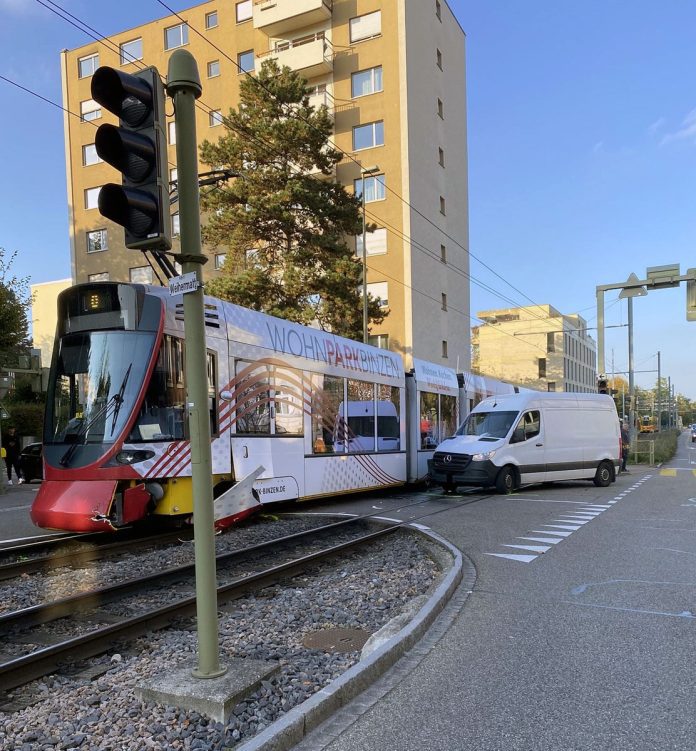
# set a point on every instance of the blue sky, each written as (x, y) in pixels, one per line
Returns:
(581, 139)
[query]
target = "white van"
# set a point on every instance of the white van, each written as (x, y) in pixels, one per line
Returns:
(516, 439)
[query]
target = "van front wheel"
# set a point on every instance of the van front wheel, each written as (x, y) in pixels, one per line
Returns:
(506, 481)
(605, 475)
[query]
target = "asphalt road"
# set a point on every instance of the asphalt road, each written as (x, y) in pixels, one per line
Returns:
(585, 641)
(15, 504)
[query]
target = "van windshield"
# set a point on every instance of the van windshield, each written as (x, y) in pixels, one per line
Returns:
(488, 424)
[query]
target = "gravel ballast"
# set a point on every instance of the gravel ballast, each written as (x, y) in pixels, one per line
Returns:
(363, 590)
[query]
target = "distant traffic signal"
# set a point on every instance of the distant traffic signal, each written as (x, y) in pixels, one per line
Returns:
(138, 149)
(602, 385)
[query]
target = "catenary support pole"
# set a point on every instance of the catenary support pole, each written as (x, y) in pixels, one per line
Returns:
(184, 86)
(631, 384)
(659, 394)
(600, 332)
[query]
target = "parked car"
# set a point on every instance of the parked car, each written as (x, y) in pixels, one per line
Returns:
(31, 462)
(693, 432)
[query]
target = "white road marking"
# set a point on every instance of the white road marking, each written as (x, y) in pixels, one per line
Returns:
(552, 540)
(552, 532)
(513, 557)
(533, 548)
(572, 527)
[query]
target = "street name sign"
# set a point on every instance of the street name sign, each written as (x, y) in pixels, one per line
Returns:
(180, 285)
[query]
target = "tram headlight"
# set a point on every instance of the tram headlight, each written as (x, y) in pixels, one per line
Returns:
(133, 457)
(483, 457)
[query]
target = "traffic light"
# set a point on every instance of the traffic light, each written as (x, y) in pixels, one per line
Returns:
(602, 385)
(138, 149)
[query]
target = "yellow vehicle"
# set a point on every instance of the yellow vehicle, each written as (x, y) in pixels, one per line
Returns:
(647, 424)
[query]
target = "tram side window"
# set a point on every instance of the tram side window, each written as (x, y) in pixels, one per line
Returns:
(288, 401)
(163, 413)
(252, 398)
(359, 416)
(327, 396)
(388, 426)
(428, 420)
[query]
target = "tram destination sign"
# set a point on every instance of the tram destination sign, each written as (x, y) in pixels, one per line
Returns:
(180, 285)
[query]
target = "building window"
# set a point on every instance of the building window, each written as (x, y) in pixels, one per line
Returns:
(176, 227)
(439, 59)
(368, 136)
(97, 240)
(131, 51)
(366, 82)
(220, 260)
(376, 242)
(551, 385)
(101, 277)
(89, 155)
(92, 198)
(440, 109)
(173, 175)
(441, 157)
(443, 254)
(374, 188)
(171, 132)
(215, 118)
(213, 68)
(87, 65)
(366, 27)
(380, 291)
(444, 348)
(140, 275)
(89, 110)
(542, 367)
(211, 20)
(444, 301)
(379, 340)
(244, 11)
(438, 10)
(443, 206)
(245, 61)
(176, 36)
(550, 342)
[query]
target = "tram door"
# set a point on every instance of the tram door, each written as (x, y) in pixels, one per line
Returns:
(268, 432)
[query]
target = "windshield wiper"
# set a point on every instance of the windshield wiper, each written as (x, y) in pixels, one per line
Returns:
(118, 398)
(114, 401)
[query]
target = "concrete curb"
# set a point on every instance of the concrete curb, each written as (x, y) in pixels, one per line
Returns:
(292, 727)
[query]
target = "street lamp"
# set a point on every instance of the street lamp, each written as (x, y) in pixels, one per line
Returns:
(363, 172)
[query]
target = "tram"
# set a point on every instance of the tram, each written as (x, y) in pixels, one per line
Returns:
(295, 413)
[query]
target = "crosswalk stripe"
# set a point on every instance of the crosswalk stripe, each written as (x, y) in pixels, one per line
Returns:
(514, 557)
(533, 548)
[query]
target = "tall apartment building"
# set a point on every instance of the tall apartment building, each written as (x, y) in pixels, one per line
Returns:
(537, 347)
(393, 75)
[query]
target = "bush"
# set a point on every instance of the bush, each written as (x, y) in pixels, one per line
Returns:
(665, 447)
(26, 417)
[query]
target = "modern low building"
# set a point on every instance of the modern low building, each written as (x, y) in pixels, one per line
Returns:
(537, 347)
(393, 76)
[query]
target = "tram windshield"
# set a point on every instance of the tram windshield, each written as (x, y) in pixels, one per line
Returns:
(488, 424)
(95, 382)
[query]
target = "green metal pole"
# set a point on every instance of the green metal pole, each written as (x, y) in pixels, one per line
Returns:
(184, 86)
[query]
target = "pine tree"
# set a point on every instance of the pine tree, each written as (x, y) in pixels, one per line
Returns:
(15, 301)
(284, 230)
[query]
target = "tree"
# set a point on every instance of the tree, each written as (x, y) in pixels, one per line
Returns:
(283, 229)
(15, 300)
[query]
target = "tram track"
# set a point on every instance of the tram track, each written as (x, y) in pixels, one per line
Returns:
(104, 626)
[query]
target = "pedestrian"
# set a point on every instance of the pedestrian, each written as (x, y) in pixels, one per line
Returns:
(625, 446)
(12, 447)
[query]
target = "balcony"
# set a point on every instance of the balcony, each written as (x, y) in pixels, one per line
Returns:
(310, 55)
(278, 17)
(320, 97)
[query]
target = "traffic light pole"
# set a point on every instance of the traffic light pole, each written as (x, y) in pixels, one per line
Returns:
(184, 86)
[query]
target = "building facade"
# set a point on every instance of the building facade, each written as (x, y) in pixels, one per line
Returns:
(536, 347)
(393, 76)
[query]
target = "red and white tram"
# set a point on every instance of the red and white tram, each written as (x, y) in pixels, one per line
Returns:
(295, 412)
